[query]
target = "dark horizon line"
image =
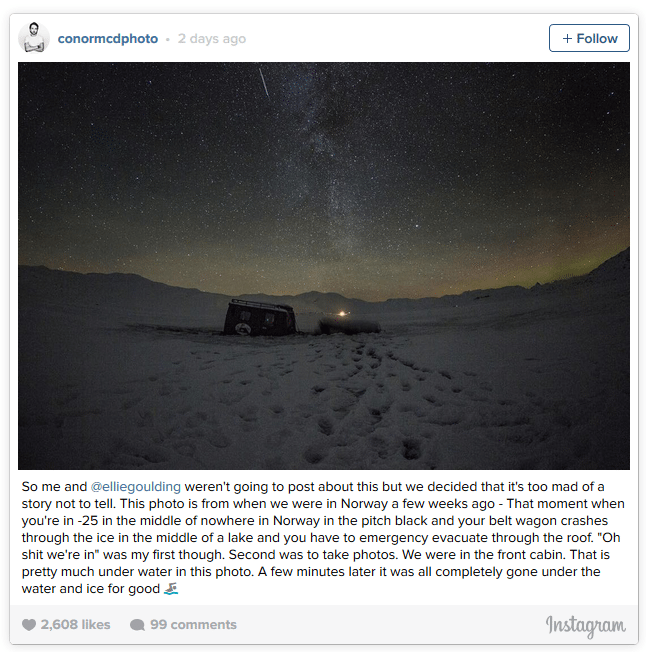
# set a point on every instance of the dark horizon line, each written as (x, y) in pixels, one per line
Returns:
(296, 296)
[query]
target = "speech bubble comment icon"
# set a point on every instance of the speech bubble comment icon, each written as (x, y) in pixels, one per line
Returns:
(137, 625)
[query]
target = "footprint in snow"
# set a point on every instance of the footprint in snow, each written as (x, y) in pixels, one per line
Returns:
(325, 426)
(313, 456)
(411, 449)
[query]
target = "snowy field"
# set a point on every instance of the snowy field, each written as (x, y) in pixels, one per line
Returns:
(116, 372)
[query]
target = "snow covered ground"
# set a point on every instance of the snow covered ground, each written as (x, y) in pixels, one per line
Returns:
(117, 372)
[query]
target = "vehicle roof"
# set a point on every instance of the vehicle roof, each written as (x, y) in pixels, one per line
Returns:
(261, 305)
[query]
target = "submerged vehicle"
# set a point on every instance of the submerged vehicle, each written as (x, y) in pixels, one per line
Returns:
(256, 318)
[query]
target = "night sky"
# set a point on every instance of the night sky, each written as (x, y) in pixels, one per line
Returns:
(371, 180)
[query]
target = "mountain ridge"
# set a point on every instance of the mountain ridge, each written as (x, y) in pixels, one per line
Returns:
(40, 282)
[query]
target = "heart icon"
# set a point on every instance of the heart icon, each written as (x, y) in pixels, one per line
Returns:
(29, 624)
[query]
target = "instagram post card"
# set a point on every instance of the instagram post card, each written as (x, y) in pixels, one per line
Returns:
(323, 329)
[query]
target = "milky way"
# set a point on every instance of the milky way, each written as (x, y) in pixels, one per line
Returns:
(371, 180)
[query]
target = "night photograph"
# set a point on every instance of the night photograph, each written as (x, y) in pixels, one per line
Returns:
(446, 243)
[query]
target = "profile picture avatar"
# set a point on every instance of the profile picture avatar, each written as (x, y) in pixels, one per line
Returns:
(33, 38)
